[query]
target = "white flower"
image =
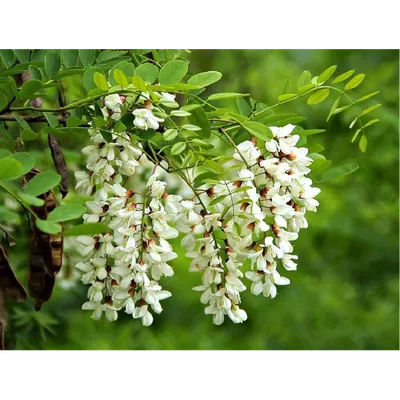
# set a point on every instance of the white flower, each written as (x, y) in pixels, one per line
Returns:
(145, 119)
(248, 151)
(113, 102)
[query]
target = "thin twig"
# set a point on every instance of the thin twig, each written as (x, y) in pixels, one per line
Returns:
(32, 118)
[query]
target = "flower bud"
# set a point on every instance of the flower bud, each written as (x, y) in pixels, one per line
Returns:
(275, 229)
(244, 206)
(263, 192)
(210, 192)
(251, 226)
(108, 300)
(229, 250)
(142, 302)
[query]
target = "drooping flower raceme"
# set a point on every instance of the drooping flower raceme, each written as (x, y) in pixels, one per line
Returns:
(124, 265)
(259, 214)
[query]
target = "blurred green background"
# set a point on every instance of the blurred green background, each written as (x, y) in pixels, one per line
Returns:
(345, 294)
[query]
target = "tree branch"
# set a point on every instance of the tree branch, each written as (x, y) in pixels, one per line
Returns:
(32, 118)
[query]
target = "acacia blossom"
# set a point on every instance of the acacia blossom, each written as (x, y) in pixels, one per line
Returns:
(260, 213)
(123, 266)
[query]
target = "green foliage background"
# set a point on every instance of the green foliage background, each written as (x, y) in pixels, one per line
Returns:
(345, 294)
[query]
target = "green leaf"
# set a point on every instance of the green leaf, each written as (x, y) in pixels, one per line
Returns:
(21, 121)
(338, 172)
(368, 110)
(22, 55)
(30, 200)
(218, 200)
(180, 113)
(35, 73)
(51, 119)
(318, 97)
(333, 108)
(107, 55)
(87, 78)
(287, 96)
(87, 229)
(8, 215)
(10, 168)
(100, 81)
(315, 148)
(73, 121)
(326, 74)
(214, 167)
(126, 67)
(354, 82)
(120, 78)
(69, 72)
(170, 134)
(340, 109)
(307, 88)
(224, 96)
(28, 135)
(291, 120)
(26, 160)
(190, 107)
(3, 100)
(42, 183)
(13, 86)
(190, 127)
(8, 57)
(70, 57)
(353, 122)
(308, 132)
(66, 212)
(371, 122)
(4, 153)
(139, 83)
(87, 57)
(258, 130)
(243, 106)
(320, 162)
(52, 64)
(363, 143)
(304, 79)
(148, 72)
(367, 96)
(344, 76)
(277, 117)
(119, 127)
(204, 79)
(29, 88)
(199, 118)
(177, 148)
(172, 72)
(48, 226)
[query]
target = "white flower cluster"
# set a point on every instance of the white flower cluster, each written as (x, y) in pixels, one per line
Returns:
(124, 266)
(260, 214)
